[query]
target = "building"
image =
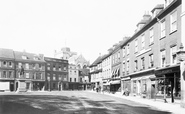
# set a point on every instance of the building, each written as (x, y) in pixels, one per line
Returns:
(29, 71)
(84, 79)
(106, 70)
(56, 72)
(73, 77)
(65, 53)
(153, 70)
(96, 73)
(7, 70)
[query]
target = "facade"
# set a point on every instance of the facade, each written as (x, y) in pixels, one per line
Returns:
(106, 71)
(96, 74)
(73, 77)
(115, 84)
(56, 72)
(84, 79)
(29, 71)
(7, 70)
(147, 61)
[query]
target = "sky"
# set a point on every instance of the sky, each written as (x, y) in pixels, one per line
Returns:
(88, 27)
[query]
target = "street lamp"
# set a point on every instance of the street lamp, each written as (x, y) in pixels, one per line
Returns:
(181, 57)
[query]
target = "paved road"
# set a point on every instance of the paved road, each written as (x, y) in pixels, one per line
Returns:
(70, 102)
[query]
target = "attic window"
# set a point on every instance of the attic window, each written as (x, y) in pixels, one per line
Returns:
(36, 58)
(24, 57)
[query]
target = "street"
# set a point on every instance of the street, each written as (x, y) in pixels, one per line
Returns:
(70, 102)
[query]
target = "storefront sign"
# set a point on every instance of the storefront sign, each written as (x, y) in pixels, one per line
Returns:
(167, 70)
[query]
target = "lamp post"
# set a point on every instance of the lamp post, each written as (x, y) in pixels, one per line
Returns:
(181, 58)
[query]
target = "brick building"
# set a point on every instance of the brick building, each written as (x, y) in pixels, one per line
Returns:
(56, 72)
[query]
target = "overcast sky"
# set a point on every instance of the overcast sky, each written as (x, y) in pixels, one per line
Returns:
(88, 27)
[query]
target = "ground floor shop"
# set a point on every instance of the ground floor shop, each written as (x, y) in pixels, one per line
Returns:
(115, 86)
(56, 85)
(7, 85)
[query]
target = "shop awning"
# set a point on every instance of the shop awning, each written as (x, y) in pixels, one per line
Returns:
(115, 82)
(125, 78)
(108, 83)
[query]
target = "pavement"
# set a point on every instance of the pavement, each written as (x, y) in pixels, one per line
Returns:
(174, 108)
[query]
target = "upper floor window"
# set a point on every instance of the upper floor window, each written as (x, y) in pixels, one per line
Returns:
(128, 49)
(136, 45)
(10, 64)
(123, 51)
(70, 79)
(118, 56)
(136, 65)
(40, 66)
(142, 63)
(173, 21)
(19, 65)
(151, 60)
(24, 57)
(127, 66)
(27, 66)
(163, 58)
(4, 63)
(173, 51)
(163, 31)
(54, 77)
(4, 74)
(54, 68)
(151, 35)
(143, 41)
(123, 67)
(10, 74)
(59, 68)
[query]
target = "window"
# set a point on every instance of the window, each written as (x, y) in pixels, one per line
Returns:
(33, 66)
(54, 68)
(173, 21)
(118, 56)
(48, 67)
(54, 77)
(128, 49)
(151, 36)
(163, 33)
(144, 86)
(136, 65)
(70, 79)
(75, 79)
(65, 68)
(27, 66)
(59, 68)
(163, 59)
(48, 76)
(10, 74)
(10, 64)
(143, 41)
(142, 63)
(123, 51)
(59, 77)
(151, 61)
(127, 66)
(24, 57)
(173, 51)
(4, 63)
(40, 66)
(123, 68)
(136, 45)
(27, 75)
(4, 74)
(75, 72)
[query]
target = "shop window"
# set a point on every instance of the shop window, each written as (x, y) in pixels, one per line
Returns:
(134, 86)
(70, 79)
(144, 87)
(75, 79)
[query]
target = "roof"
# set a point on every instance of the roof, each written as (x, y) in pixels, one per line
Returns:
(84, 72)
(96, 61)
(6, 53)
(29, 56)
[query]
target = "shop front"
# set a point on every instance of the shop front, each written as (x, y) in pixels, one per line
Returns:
(106, 85)
(168, 86)
(115, 85)
(125, 84)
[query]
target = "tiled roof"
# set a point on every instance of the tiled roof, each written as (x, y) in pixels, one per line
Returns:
(6, 53)
(84, 72)
(29, 56)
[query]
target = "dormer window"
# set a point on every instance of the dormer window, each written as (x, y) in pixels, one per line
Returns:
(24, 57)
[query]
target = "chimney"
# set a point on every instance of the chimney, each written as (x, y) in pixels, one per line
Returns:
(157, 9)
(110, 50)
(41, 56)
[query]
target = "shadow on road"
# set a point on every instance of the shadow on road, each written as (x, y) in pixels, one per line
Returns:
(53, 104)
